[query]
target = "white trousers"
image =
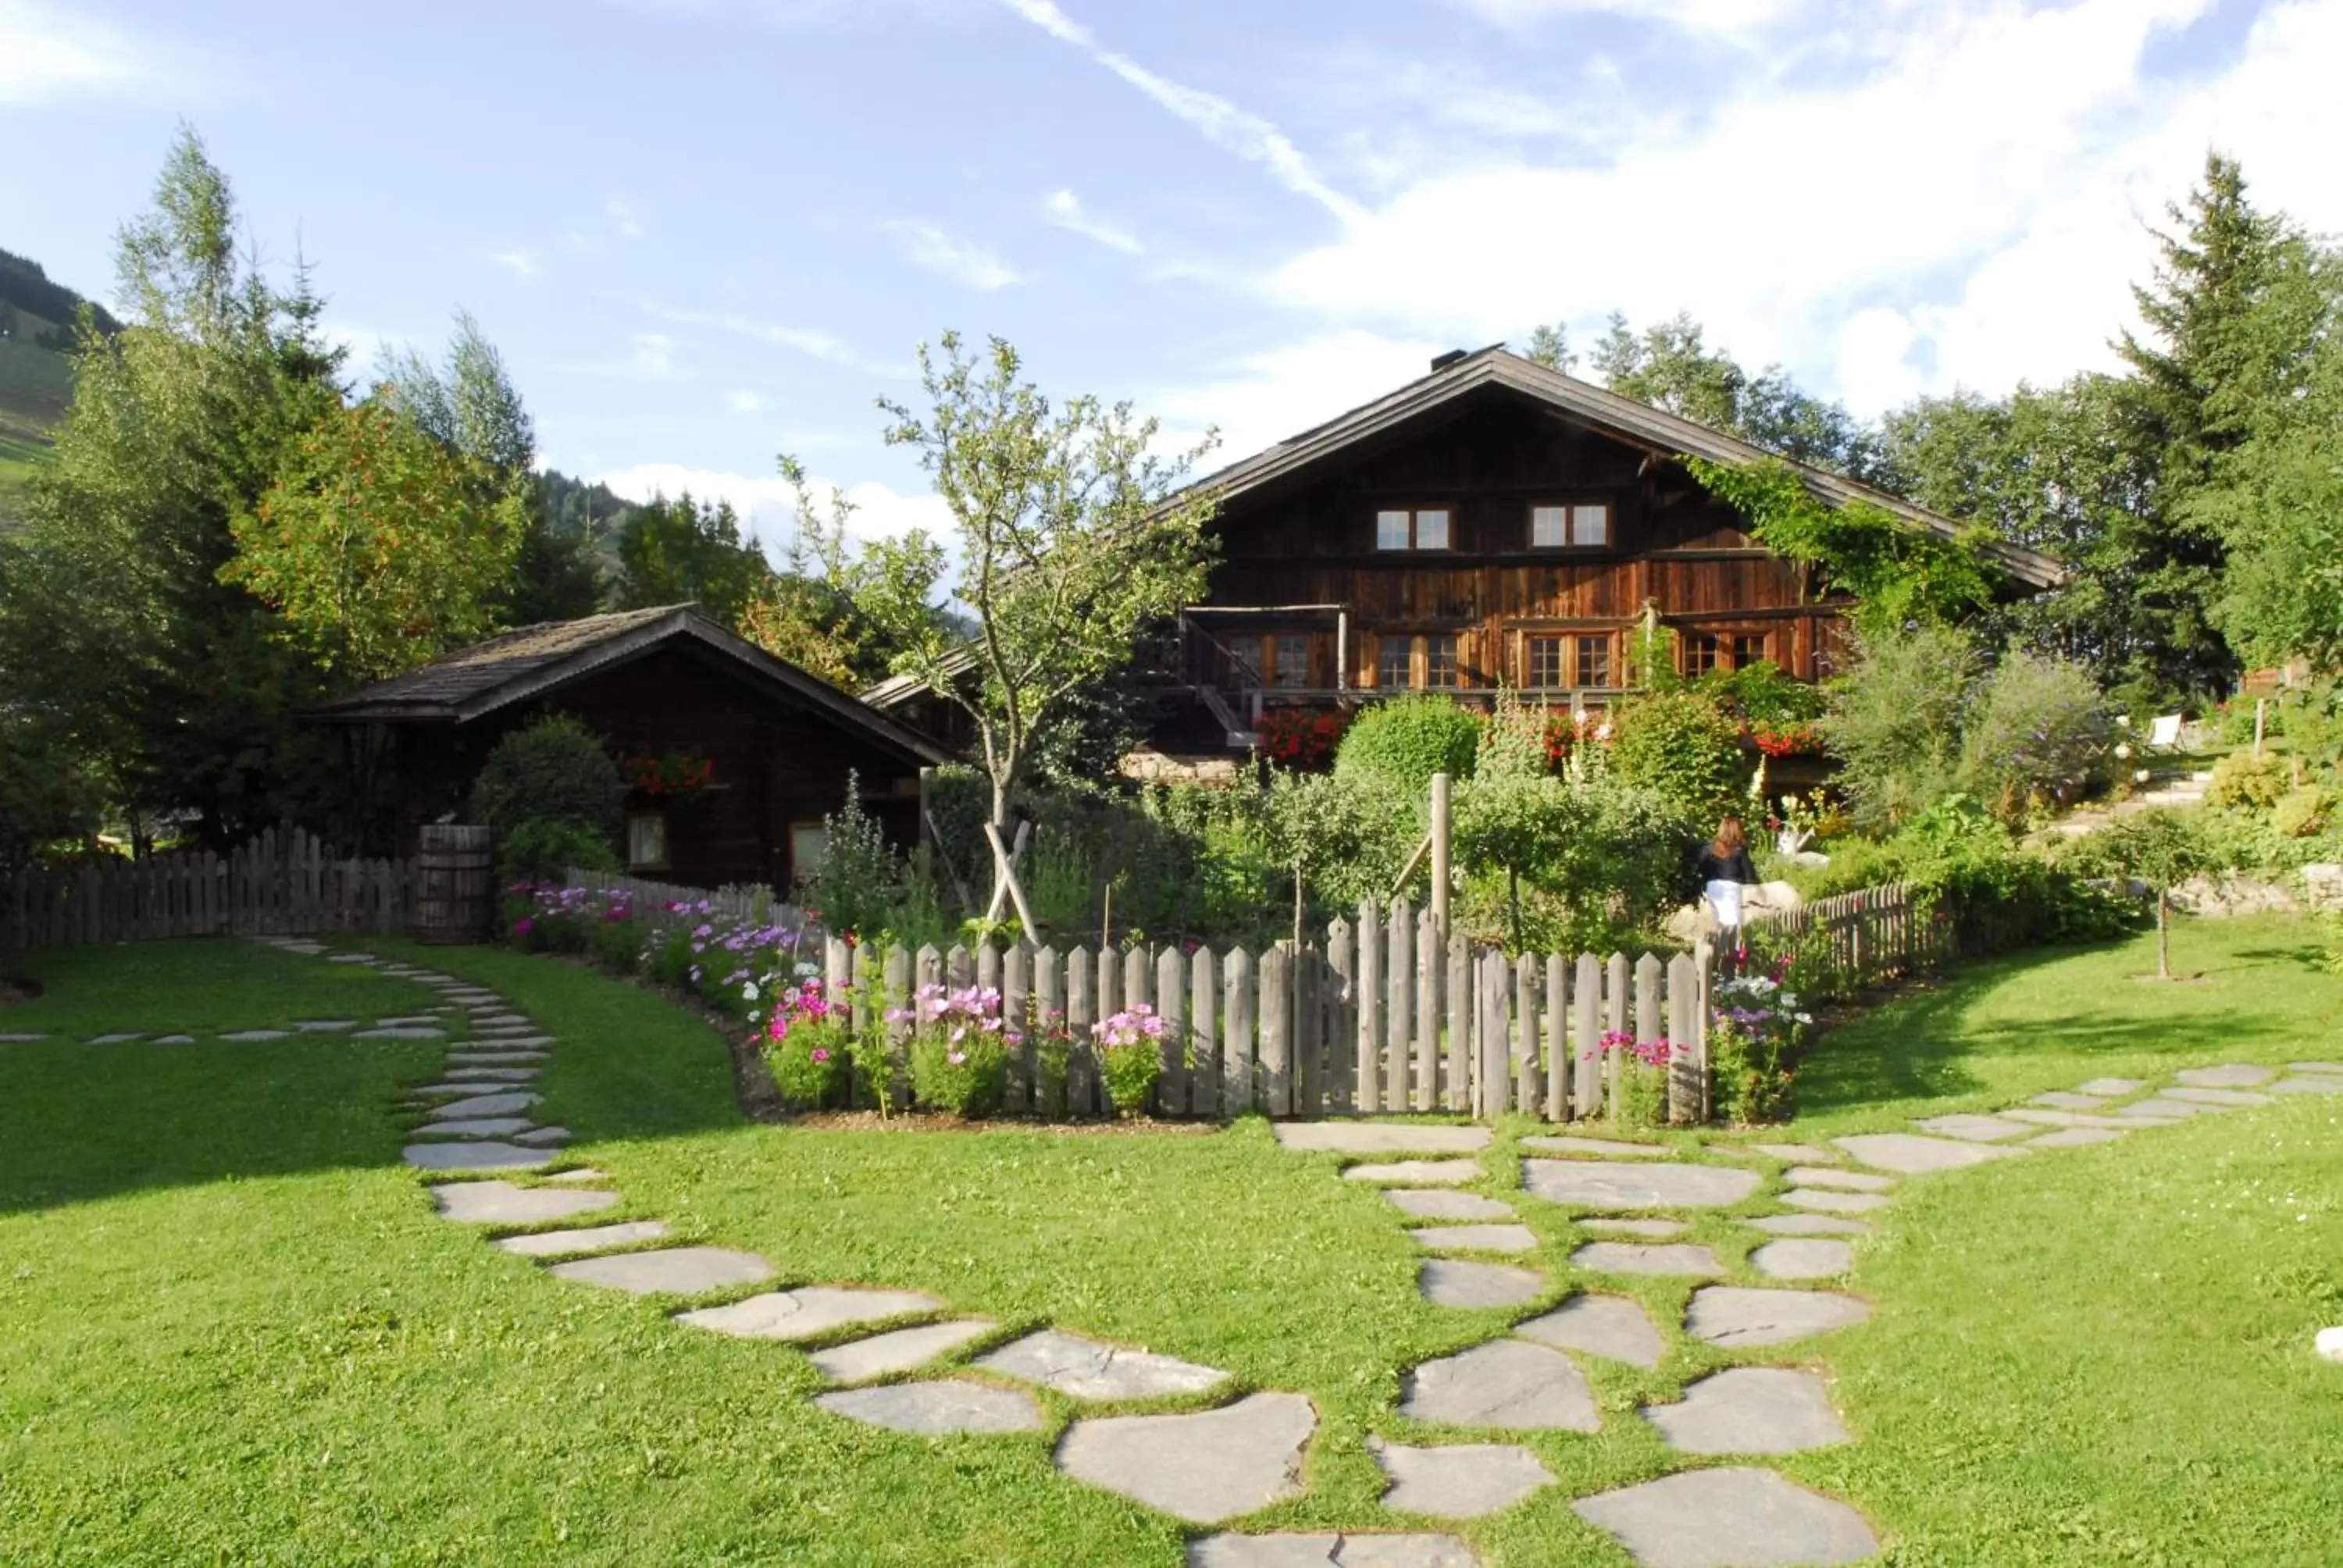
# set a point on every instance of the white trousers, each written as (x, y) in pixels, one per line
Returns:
(1724, 900)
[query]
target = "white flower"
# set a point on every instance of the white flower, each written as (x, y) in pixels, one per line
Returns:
(807, 971)
(2139, 776)
(748, 992)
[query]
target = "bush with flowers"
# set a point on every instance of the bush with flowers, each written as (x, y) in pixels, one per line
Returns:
(1303, 738)
(1637, 1074)
(959, 1049)
(1759, 1025)
(809, 1045)
(1131, 1056)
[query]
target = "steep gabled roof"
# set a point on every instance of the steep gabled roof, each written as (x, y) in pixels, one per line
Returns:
(1639, 424)
(535, 660)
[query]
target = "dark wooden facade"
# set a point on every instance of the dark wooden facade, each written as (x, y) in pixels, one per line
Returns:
(782, 745)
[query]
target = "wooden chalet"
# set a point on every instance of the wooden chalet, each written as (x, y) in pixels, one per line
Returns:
(1497, 523)
(658, 684)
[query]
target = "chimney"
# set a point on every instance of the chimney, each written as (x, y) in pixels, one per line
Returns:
(1443, 361)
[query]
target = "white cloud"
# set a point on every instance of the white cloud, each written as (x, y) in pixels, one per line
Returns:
(1988, 176)
(947, 255)
(52, 55)
(1265, 396)
(654, 354)
(523, 263)
(767, 508)
(744, 402)
(1698, 17)
(806, 340)
(622, 217)
(1222, 123)
(1065, 209)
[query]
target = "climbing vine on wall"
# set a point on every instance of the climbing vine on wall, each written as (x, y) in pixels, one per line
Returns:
(1897, 572)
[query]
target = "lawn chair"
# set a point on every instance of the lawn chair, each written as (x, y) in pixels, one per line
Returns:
(2164, 732)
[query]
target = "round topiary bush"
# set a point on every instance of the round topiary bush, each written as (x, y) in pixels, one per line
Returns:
(1683, 747)
(553, 771)
(1405, 742)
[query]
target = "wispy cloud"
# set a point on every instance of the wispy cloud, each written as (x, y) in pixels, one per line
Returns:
(1224, 123)
(744, 402)
(948, 256)
(56, 54)
(806, 340)
(1710, 18)
(523, 263)
(1065, 209)
(654, 353)
(622, 217)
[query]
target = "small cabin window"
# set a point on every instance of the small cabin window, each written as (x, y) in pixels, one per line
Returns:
(1424, 529)
(1546, 670)
(1291, 661)
(1595, 660)
(1439, 663)
(1590, 524)
(647, 842)
(1749, 648)
(1583, 526)
(809, 842)
(1392, 663)
(1702, 652)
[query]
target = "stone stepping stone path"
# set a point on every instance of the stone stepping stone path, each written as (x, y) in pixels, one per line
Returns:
(1461, 1480)
(476, 1127)
(1379, 1138)
(1729, 1518)
(1511, 1384)
(1736, 1316)
(395, 1031)
(1971, 1129)
(1612, 1327)
(251, 1036)
(130, 1038)
(21, 1038)
(593, 1238)
(1476, 1238)
(174, 1040)
(1848, 1181)
(1797, 1152)
(1602, 1146)
(1909, 1155)
(1437, 1203)
(502, 1203)
(1455, 1282)
(2066, 1099)
(935, 1409)
(1804, 1258)
(2113, 1086)
(1633, 1227)
(1090, 1369)
(2067, 1119)
(1750, 1410)
(583, 1174)
(2074, 1136)
(2231, 1075)
(326, 1025)
(1417, 1172)
(478, 1104)
(1588, 1185)
(902, 1350)
(808, 1312)
(1350, 1551)
(2157, 1108)
(681, 1271)
(2217, 1096)
(2315, 1083)
(1203, 1468)
(1822, 1200)
(487, 1154)
(1691, 1259)
(1809, 1225)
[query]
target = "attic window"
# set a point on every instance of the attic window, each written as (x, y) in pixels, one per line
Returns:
(1585, 525)
(1423, 528)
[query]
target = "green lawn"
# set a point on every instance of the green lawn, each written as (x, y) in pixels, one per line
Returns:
(236, 1332)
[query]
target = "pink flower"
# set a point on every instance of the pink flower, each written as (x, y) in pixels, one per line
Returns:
(957, 1058)
(523, 926)
(820, 1053)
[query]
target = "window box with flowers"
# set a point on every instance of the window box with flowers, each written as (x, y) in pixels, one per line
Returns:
(667, 777)
(1303, 737)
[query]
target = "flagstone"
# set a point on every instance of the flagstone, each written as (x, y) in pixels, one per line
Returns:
(1798, 1151)
(1737, 1316)
(2074, 1136)
(1612, 1327)
(543, 1137)
(1735, 1517)
(2113, 1086)
(1506, 1383)
(21, 1038)
(495, 1058)
(1587, 1184)
(2072, 1118)
(400, 1031)
(1637, 1258)
(475, 1127)
(1828, 1203)
(1604, 1146)
(1971, 1129)
(806, 1312)
(1352, 1548)
(1203, 1468)
(674, 1270)
(899, 1349)
(589, 1239)
(348, 958)
(1437, 1203)
(174, 1040)
(1090, 1369)
(326, 1025)
(1417, 1172)
(1810, 1225)
(1379, 1138)
(2157, 1107)
(2228, 1075)
(2296, 1066)
(1476, 1238)
(1909, 1155)
(487, 1105)
(2216, 1096)
(2310, 1083)
(1850, 1180)
(1461, 1283)
(247, 1036)
(485, 1155)
(407, 1022)
(503, 1203)
(1632, 1227)
(1457, 1481)
(2068, 1099)
(934, 1409)
(487, 1074)
(1750, 1410)
(1803, 1258)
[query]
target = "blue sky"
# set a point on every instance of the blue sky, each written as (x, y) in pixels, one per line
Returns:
(707, 231)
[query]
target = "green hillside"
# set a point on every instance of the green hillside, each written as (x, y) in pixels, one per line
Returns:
(36, 317)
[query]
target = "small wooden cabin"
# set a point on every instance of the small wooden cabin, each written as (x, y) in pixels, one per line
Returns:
(1497, 523)
(663, 685)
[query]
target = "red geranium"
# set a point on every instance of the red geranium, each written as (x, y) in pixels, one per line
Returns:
(1300, 737)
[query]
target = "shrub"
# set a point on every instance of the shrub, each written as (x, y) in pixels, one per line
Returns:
(1760, 694)
(1405, 741)
(551, 770)
(2300, 812)
(2242, 779)
(850, 890)
(959, 1049)
(1636, 1073)
(1130, 1057)
(1351, 833)
(1753, 1046)
(543, 850)
(809, 1047)
(1302, 737)
(1895, 720)
(1683, 747)
(2036, 735)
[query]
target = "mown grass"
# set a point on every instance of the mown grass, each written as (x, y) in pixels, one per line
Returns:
(263, 1347)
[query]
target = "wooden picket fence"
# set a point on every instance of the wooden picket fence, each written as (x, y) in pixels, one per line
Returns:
(1390, 1014)
(285, 882)
(1861, 938)
(752, 905)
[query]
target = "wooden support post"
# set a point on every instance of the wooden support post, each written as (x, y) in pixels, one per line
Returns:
(1006, 869)
(1440, 867)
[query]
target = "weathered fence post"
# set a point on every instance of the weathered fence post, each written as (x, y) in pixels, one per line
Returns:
(1049, 1017)
(1495, 1028)
(1081, 1049)
(1016, 968)
(1557, 1042)
(1171, 1007)
(1525, 1033)
(1462, 1002)
(1237, 1045)
(1368, 988)
(1203, 1027)
(1586, 1093)
(1399, 1016)
(1277, 1028)
(1688, 1060)
(1341, 1025)
(1430, 962)
(897, 996)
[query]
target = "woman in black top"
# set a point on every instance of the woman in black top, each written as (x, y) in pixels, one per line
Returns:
(1724, 867)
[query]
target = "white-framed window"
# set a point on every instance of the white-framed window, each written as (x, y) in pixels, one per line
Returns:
(1546, 670)
(1582, 525)
(1420, 529)
(1440, 673)
(647, 842)
(1392, 663)
(1291, 661)
(1593, 653)
(1590, 523)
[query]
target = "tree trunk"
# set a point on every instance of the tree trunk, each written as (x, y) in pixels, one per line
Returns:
(2163, 934)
